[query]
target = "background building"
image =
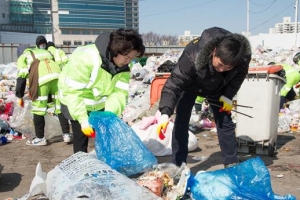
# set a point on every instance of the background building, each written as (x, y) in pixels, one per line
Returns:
(4, 13)
(186, 38)
(66, 22)
(287, 26)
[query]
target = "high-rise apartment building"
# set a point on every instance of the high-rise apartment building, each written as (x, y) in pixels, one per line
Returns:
(287, 26)
(70, 22)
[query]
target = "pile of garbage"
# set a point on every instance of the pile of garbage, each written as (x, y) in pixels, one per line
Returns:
(16, 122)
(8, 76)
(102, 175)
(107, 173)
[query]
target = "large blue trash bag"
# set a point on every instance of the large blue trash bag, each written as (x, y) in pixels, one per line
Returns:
(248, 180)
(118, 145)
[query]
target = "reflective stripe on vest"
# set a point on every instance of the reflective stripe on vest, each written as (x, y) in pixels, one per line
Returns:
(96, 92)
(57, 56)
(23, 70)
(39, 109)
(29, 60)
(74, 84)
(96, 66)
(91, 102)
(48, 76)
(122, 85)
(42, 98)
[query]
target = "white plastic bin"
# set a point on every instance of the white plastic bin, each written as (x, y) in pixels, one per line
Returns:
(261, 91)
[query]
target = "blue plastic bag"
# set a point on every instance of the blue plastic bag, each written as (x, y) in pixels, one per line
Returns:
(117, 144)
(248, 180)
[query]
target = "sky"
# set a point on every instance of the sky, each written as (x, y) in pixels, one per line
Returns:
(173, 17)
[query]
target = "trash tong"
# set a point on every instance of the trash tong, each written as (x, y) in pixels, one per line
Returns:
(232, 104)
(232, 110)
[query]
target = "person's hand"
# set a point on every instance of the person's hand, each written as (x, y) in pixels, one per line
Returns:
(21, 102)
(162, 126)
(87, 129)
(227, 104)
(297, 85)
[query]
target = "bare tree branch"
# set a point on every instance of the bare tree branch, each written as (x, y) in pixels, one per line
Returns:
(152, 39)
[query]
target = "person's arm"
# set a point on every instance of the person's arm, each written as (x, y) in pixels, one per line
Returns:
(64, 57)
(22, 75)
(292, 78)
(181, 77)
(73, 81)
(117, 100)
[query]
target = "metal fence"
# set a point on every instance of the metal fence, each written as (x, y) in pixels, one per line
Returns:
(8, 52)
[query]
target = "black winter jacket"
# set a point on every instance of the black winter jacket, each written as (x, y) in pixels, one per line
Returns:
(195, 74)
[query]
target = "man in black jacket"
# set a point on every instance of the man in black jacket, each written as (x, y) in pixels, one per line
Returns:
(212, 66)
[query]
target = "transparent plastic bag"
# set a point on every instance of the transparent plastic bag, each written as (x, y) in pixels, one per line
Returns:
(162, 178)
(22, 119)
(284, 123)
(118, 145)
(294, 105)
(52, 127)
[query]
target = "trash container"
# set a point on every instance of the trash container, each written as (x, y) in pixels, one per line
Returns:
(156, 86)
(261, 91)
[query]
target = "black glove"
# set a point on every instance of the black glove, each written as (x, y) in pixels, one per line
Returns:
(20, 87)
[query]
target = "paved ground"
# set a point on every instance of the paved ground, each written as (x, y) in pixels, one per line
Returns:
(20, 161)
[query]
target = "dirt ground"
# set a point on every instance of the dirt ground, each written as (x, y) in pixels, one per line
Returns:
(20, 161)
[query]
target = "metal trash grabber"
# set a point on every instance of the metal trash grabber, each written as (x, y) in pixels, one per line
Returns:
(232, 110)
(232, 104)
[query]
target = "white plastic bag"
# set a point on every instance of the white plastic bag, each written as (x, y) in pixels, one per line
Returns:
(157, 146)
(82, 175)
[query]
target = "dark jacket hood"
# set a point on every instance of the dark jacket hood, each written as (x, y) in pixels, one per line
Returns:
(204, 56)
(40, 40)
(101, 43)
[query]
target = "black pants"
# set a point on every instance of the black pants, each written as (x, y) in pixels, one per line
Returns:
(64, 123)
(39, 125)
(80, 141)
(225, 131)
